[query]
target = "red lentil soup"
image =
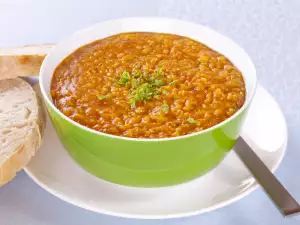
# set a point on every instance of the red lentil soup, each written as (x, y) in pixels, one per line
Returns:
(147, 85)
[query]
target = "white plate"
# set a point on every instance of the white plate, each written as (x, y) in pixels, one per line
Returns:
(265, 130)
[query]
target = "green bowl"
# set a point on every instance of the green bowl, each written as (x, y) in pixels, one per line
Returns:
(148, 162)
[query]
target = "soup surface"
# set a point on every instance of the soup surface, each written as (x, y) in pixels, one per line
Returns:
(147, 85)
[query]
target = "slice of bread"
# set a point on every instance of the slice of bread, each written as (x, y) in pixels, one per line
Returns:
(22, 61)
(22, 123)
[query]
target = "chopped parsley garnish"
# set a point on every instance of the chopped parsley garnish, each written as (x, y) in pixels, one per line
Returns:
(137, 73)
(173, 82)
(143, 93)
(144, 85)
(159, 72)
(165, 107)
(133, 83)
(159, 82)
(102, 97)
(124, 79)
(132, 102)
(191, 121)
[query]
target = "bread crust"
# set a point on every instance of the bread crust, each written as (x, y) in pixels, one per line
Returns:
(20, 66)
(22, 61)
(19, 157)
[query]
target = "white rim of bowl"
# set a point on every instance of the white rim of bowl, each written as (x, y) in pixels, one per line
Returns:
(45, 96)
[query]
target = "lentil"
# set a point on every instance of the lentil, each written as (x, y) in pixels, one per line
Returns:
(98, 86)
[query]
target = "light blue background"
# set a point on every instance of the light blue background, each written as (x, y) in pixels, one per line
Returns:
(268, 30)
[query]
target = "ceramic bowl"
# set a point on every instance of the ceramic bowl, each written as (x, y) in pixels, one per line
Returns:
(148, 162)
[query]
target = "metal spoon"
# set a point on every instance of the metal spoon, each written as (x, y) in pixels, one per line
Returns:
(285, 203)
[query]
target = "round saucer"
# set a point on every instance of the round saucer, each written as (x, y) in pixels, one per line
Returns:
(265, 130)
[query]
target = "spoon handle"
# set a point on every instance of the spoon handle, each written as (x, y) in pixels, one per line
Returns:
(286, 204)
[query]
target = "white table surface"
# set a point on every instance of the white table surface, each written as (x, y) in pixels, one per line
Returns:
(268, 30)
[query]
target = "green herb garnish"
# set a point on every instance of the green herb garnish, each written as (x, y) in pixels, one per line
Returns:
(124, 79)
(165, 107)
(173, 82)
(143, 92)
(164, 92)
(133, 83)
(191, 121)
(102, 97)
(159, 82)
(144, 86)
(137, 73)
(158, 73)
(132, 102)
